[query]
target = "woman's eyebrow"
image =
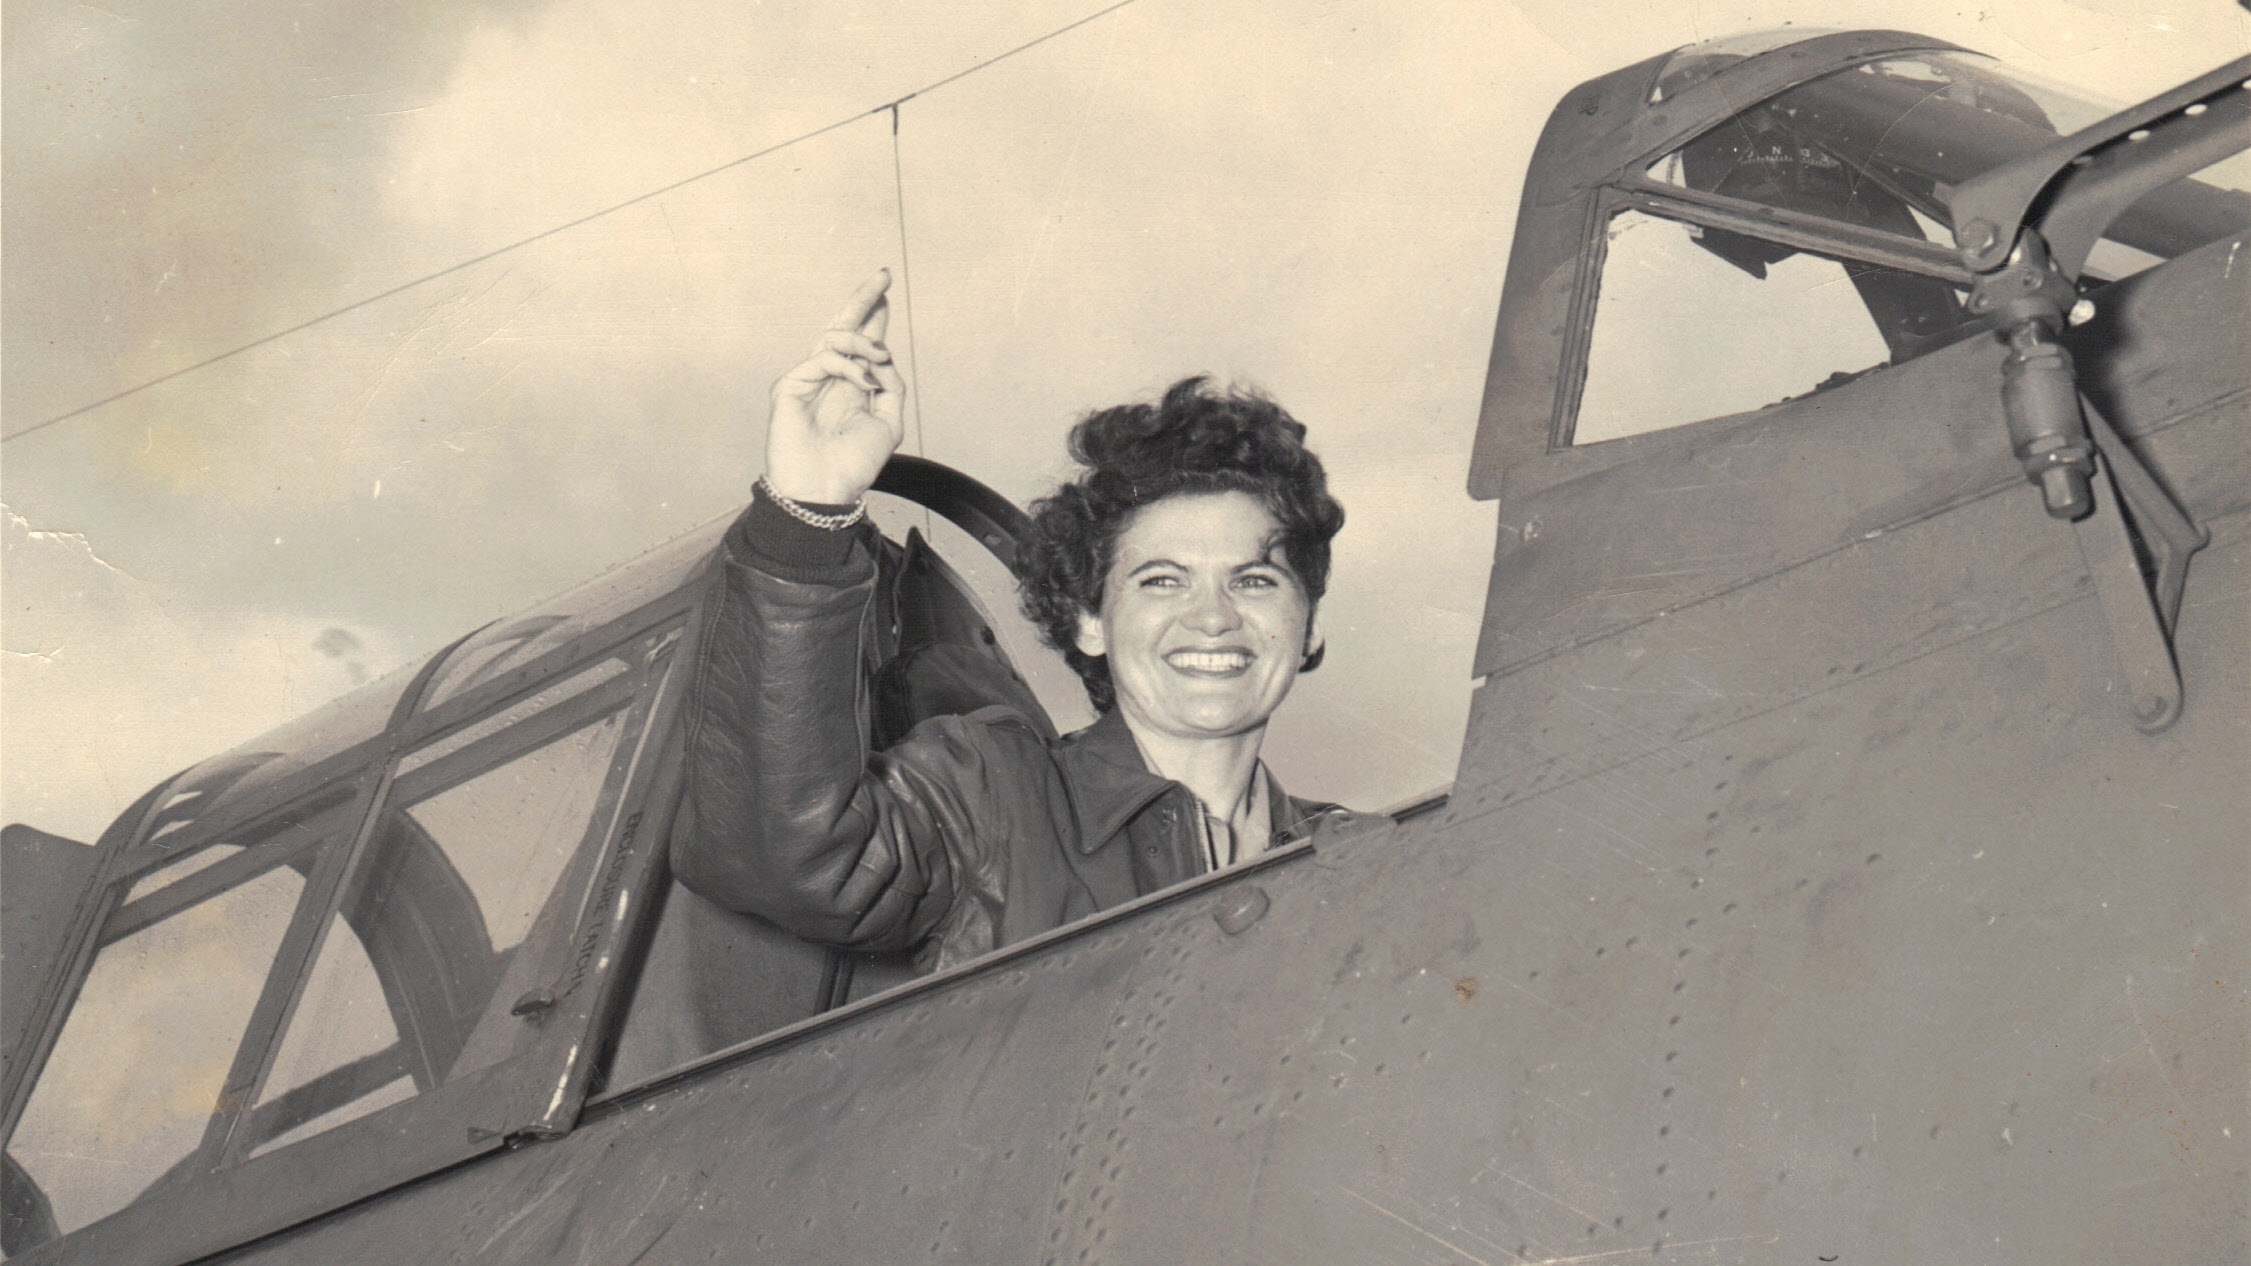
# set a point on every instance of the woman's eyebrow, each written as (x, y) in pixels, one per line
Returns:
(1278, 564)
(1274, 556)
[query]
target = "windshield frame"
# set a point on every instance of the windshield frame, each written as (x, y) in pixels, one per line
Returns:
(1594, 159)
(229, 1190)
(1598, 134)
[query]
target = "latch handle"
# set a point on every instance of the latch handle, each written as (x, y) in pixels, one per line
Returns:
(2139, 612)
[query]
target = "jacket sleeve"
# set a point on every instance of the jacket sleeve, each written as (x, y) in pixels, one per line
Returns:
(784, 814)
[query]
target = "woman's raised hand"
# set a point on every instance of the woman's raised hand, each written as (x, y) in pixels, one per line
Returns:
(839, 415)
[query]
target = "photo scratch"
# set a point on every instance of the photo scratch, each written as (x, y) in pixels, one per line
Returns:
(1448, 1245)
(1671, 1248)
(2150, 1044)
(1549, 1195)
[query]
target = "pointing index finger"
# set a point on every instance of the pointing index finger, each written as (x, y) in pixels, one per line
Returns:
(863, 302)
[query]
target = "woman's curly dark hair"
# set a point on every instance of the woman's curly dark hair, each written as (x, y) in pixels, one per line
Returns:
(1195, 440)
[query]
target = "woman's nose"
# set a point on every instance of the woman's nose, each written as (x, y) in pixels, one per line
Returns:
(1213, 613)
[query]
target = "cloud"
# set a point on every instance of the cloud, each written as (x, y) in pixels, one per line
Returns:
(192, 180)
(171, 678)
(1317, 200)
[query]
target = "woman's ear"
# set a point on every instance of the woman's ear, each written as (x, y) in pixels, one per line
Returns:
(1316, 645)
(1090, 641)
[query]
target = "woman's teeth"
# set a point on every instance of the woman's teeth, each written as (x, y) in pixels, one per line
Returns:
(1210, 661)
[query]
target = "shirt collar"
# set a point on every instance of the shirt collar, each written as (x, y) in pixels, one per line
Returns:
(1109, 783)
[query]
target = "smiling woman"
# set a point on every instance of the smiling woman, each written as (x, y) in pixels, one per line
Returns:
(1178, 574)
(1203, 620)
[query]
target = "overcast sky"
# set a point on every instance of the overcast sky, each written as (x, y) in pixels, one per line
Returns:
(1312, 197)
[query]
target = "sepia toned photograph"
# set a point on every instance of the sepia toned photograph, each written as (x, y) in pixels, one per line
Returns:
(1080, 631)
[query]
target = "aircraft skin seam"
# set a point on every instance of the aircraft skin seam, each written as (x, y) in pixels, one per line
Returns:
(2182, 418)
(1794, 701)
(1585, 640)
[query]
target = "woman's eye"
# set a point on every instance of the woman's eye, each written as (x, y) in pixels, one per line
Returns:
(1257, 580)
(1160, 582)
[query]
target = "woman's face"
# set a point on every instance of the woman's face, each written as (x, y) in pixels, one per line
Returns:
(1203, 620)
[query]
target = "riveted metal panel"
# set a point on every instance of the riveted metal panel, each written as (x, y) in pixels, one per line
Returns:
(1891, 945)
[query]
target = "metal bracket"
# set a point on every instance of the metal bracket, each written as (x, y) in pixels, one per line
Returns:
(2024, 229)
(2140, 609)
(2074, 187)
(2027, 300)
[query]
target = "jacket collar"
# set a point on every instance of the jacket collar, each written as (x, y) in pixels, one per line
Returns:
(1108, 783)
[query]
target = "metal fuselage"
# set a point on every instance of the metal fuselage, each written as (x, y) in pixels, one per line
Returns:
(1837, 913)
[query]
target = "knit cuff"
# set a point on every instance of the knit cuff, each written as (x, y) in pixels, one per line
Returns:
(787, 546)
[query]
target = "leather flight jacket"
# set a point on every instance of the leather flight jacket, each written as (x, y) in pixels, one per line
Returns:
(972, 832)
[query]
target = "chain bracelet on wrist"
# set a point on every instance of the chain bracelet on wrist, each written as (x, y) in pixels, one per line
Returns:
(828, 522)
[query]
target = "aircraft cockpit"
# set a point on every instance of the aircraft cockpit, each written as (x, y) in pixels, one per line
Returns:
(432, 916)
(434, 920)
(1804, 238)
